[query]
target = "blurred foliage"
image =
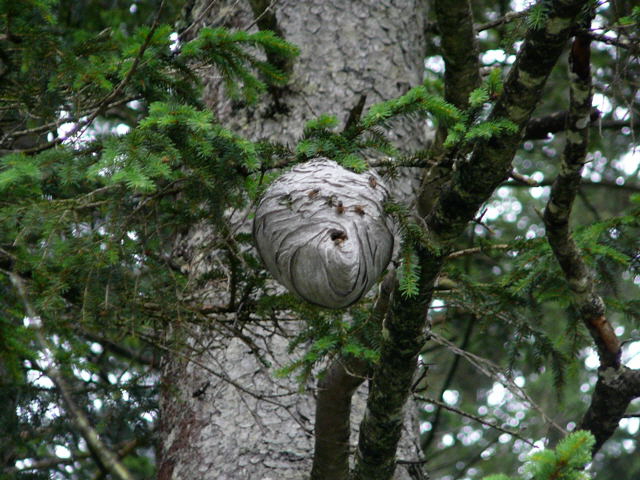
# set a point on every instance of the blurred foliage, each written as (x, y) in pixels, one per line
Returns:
(567, 462)
(108, 156)
(513, 292)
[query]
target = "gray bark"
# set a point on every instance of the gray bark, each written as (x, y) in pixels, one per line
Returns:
(223, 413)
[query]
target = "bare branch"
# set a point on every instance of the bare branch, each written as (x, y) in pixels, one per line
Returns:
(558, 210)
(332, 426)
(493, 371)
(632, 45)
(540, 128)
(119, 349)
(57, 123)
(471, 320)
(630, 187)
(518, 177)
(475, 418)
(472, 250)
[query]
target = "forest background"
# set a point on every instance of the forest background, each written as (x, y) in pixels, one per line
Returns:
(135, 133)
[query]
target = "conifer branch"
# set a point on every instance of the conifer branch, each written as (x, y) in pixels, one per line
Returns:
(490, 162)
(265, 18)
(472, 184)
(613, 391)
(127, 78)
(558, 210)
(182, 35)
(50, 126)
(104, 456)
(102, 106)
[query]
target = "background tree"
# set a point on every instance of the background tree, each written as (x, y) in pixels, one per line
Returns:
(130, 286)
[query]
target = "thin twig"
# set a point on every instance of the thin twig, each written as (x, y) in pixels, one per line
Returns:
(473, 417)
(447, 383)
(222, 376)
(509, 17)
(264, 12)
(494, 372)
(472, 250)
(55, 124)
(518, 177)
(632, 46)
(197, 20)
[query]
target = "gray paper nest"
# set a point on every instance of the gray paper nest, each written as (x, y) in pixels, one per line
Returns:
(322, 232)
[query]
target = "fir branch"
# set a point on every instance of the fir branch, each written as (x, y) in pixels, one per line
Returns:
(490, 162)
(82, 126)
(182, 35)
(265, 18)
(472, 184)
(50, 126)
(104, 455)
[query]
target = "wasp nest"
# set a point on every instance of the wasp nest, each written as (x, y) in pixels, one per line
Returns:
(322, 232)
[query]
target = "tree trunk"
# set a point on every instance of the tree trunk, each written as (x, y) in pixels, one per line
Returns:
(223, 413)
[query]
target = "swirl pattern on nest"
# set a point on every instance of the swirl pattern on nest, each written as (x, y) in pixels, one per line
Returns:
(322, 232)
